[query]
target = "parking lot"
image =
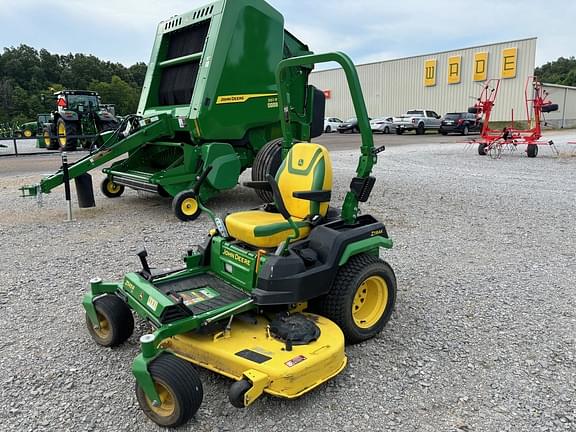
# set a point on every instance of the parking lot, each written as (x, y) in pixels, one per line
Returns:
(483, 337)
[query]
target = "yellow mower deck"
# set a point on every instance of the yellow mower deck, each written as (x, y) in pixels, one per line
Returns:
(248, 351)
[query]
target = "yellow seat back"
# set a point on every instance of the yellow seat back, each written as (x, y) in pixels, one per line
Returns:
(307, 167)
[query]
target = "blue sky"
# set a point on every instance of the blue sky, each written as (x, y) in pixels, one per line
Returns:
(368, 30)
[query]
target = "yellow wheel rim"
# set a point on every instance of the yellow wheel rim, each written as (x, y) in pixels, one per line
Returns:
(112, 187)
(167, 402)
(27, 133)
(62, 133)
(189, 206)
(104, 331)
(370, 302)
(46, 138)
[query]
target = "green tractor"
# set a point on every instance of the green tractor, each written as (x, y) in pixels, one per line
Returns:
(32, 129)
(38, 129)
(28, 129)
(209, 99)
(272, 296)
(78, 120)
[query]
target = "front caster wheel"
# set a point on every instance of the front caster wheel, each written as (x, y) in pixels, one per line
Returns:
(110, 189)
(362, 298)
(115, 319)
(237, 392)
(180, 390)
(185, 206)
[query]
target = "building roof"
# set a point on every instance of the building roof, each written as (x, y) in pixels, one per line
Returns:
(435, 53)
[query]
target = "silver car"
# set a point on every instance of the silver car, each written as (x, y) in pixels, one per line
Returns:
(383, 125)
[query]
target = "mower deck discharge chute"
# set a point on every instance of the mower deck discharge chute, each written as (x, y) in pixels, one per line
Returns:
(209, 99)
(272, 296)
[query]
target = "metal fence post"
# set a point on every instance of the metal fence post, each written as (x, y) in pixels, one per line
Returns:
(66, 177)
(15, 146)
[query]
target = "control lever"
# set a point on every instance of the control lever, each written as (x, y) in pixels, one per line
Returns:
(146, 272)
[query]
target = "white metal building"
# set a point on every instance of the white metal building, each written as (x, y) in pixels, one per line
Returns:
(565, 97)
(444, 82)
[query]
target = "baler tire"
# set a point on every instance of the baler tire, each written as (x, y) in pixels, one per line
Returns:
(185, 206)
(267, 161)
(482, 149)
(179, 383)
(110, 189)
(339, 304)
(532, 150)
(116, 321)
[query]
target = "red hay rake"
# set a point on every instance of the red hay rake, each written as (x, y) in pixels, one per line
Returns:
(496, 142)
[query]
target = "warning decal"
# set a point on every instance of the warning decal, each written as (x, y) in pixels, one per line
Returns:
(295, 361)
(198, 295)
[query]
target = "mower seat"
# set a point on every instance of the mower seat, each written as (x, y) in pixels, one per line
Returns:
(306, 168)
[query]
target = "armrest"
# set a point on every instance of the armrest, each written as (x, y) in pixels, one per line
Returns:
(260, 185)
(316, 196)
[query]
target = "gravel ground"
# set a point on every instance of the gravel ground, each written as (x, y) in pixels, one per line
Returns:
(482, 339)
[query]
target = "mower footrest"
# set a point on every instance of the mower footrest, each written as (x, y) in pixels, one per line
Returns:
(203, 293)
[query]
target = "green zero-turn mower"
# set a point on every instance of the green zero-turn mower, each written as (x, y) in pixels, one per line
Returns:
(209, 99)
(271, 297)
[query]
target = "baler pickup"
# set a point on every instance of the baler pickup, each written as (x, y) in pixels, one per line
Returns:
(211, 82)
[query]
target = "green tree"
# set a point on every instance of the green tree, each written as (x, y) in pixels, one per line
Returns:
(117, 92)
(561, 71)
(26, 73)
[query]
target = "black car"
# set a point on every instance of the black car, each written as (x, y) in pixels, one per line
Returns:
(461, 122)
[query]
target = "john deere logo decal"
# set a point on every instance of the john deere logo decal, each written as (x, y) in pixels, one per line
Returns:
(300, 162)
(236, 257)
(234, 99)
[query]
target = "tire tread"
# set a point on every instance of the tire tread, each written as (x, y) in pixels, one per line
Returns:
(333, 305)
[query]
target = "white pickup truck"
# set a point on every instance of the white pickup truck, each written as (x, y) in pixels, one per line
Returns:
(418, 120)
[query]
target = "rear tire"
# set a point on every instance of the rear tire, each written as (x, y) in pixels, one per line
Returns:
(50, 143)
(465, 131)
(532, 150)
(386, 130)
(64, 130)
(179, 388)
(420, 129)
(328, 129)
(361, 299)
(116, 321)
(267, 161)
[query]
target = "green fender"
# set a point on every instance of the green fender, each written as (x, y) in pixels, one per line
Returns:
(366, 245)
